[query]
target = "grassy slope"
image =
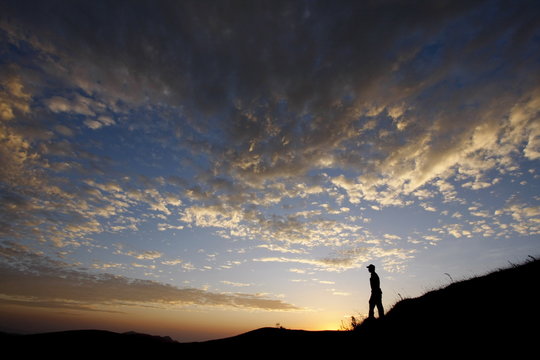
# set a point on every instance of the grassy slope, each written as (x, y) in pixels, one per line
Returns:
(498, 311)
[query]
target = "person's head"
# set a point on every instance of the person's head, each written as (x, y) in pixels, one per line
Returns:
(371, 268)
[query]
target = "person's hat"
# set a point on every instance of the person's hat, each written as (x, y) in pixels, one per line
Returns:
(371, 266)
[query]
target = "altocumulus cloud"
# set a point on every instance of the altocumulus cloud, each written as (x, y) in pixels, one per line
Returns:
(32, 279)
(364, 104)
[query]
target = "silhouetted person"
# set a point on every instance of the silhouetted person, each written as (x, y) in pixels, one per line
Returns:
(376, 293)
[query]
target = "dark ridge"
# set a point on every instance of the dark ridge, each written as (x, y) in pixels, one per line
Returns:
(86, 344)
(498, 312)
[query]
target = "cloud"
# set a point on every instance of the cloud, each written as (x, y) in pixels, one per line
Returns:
(140, 255)
(235, 284)
(428, 207)
(172, 262)
(80, 105)
(80, 210)
(146, 255)
(232, 124)
(277, 232)
(39, 280)
(164, 227)
(13, 97)
(219, 216)
(93, 124)
(282, 249)
(350, 258)
(455, 230)
(99, 123)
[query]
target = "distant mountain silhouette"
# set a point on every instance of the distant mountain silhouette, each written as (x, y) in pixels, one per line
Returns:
(87, 344)
(492, 315)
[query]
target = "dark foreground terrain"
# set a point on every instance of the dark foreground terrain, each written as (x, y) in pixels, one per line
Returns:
(488, 316)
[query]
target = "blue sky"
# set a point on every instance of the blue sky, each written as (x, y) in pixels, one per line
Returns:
(198, 169)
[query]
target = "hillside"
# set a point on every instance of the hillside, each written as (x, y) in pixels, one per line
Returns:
(494, 314)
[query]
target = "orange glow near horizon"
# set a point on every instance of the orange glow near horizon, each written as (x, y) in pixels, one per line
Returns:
(181, 324)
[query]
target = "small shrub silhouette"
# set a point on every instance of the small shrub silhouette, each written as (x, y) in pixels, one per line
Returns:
(352, 325)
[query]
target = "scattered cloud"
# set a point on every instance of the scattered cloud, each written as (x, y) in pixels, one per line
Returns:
(163, 227)
(303, 141)
(282, 249)
(40, 281)
(269, 146)
(351, 258)
(235, 284)
(172, 262)
(140, 255)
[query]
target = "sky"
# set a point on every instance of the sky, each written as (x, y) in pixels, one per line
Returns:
(199, 169)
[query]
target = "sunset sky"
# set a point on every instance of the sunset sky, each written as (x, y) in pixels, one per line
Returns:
(200, 169)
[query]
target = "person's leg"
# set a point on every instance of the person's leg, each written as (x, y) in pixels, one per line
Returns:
(371, 307)
(380, 308)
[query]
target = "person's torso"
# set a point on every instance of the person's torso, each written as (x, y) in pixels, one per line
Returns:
(375, 282)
